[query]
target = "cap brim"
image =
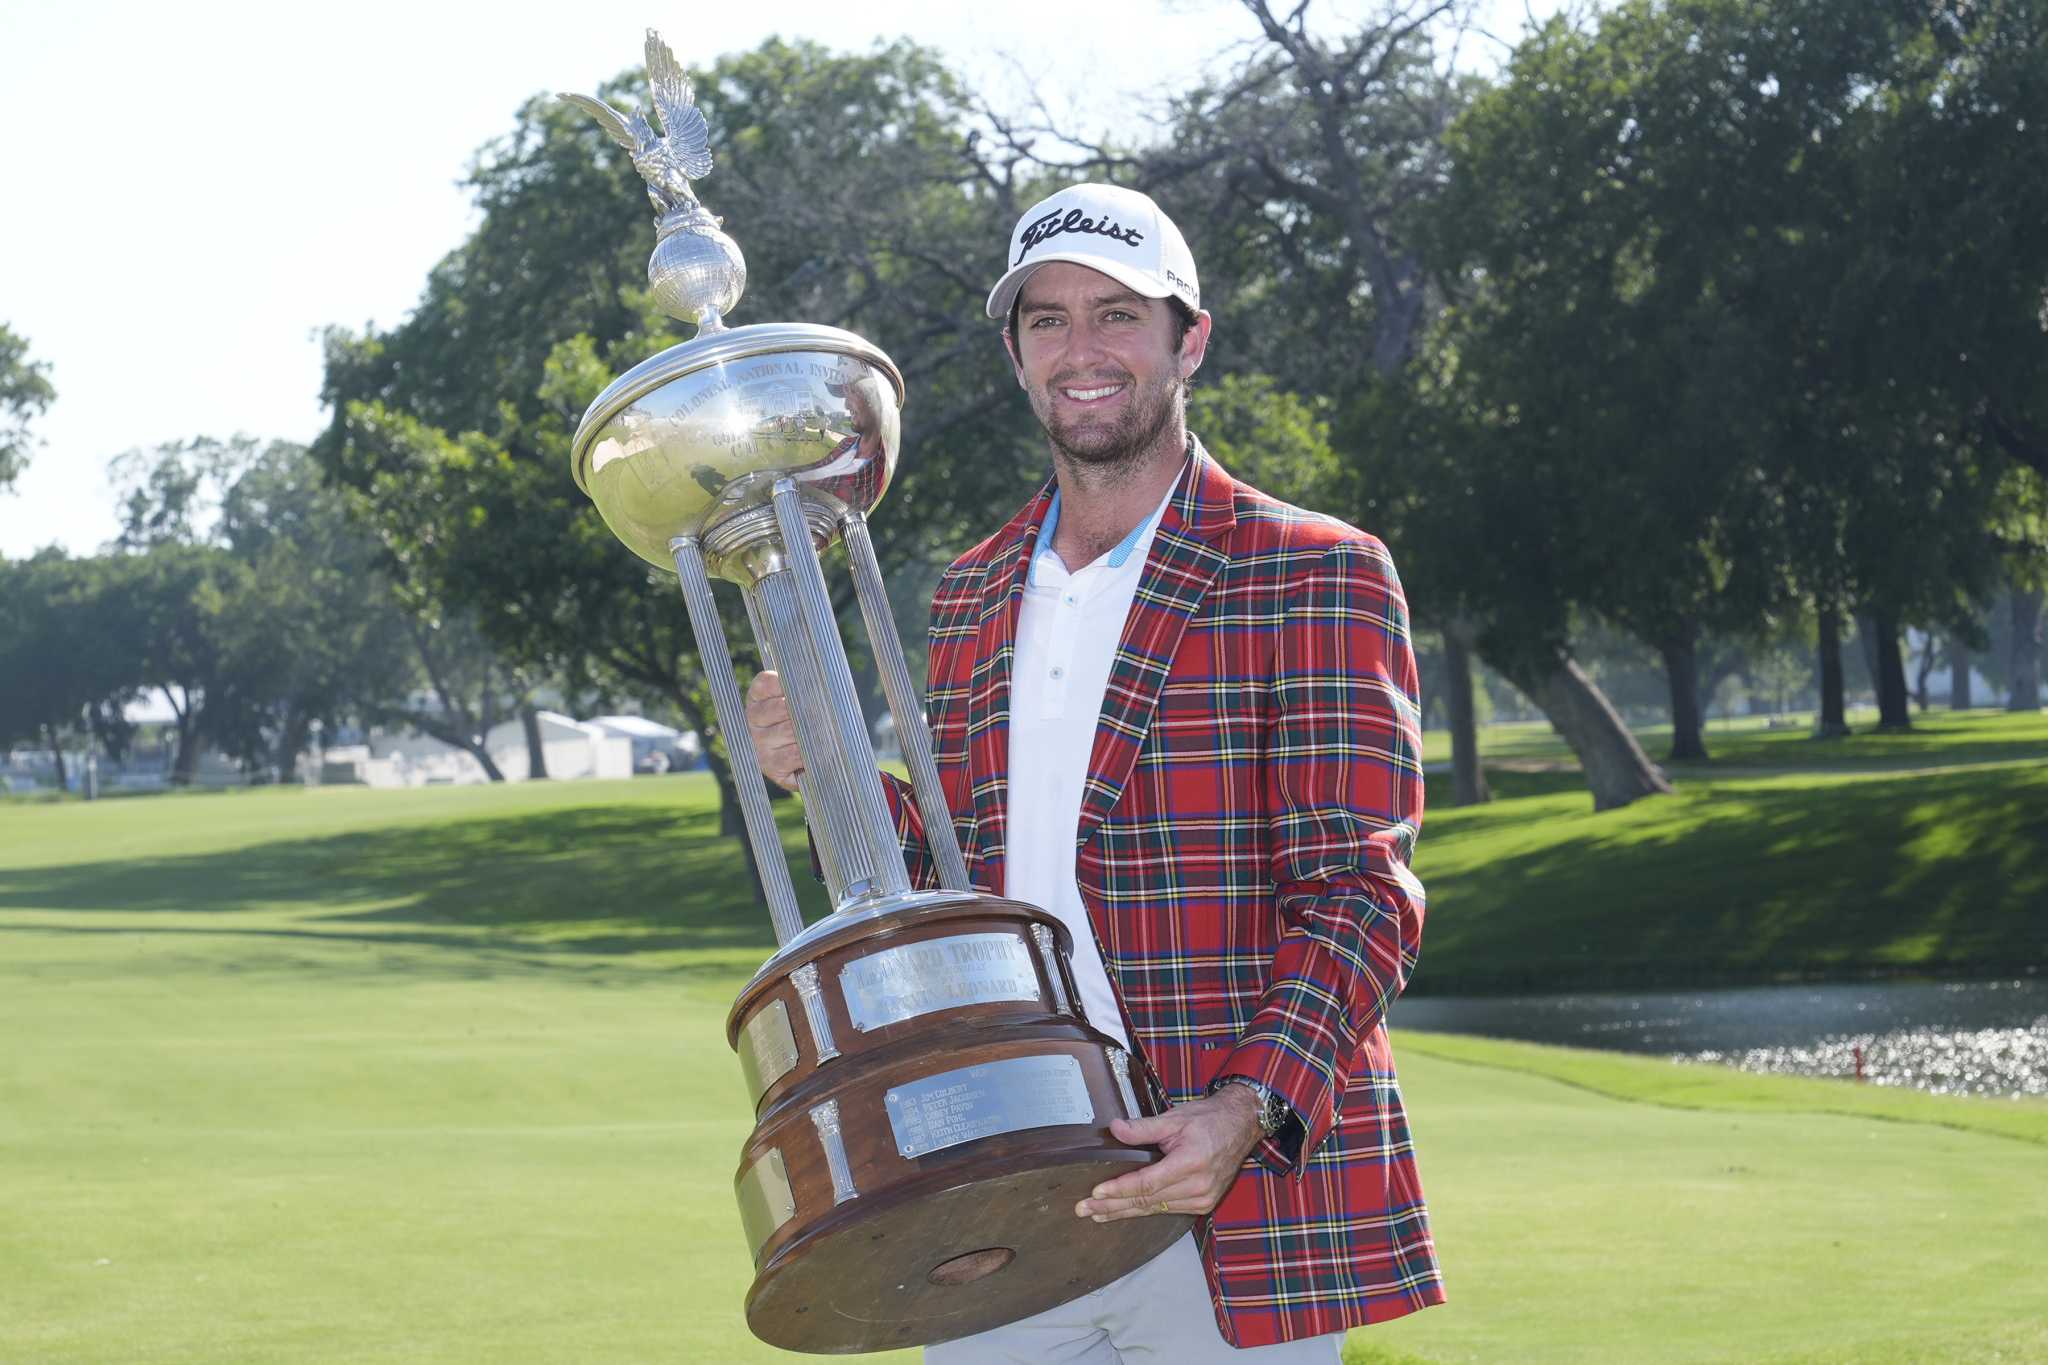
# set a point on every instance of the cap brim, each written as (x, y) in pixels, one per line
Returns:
(1005, 293)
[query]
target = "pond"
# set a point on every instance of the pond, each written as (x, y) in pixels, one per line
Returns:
(1964, 1037)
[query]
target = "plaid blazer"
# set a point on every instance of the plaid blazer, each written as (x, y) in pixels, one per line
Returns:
(1251, 803)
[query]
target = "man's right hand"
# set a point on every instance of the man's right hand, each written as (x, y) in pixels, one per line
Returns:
(774, 732)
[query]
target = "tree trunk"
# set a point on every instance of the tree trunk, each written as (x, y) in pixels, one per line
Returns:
(1925, 671)
(1831, 723)
(536, 751)
(291, 742)
(459, 729)
(1616, 768)
(1430, 697)
(1894, 707)
(187, 761)
(1727, 662)
(1866, 641)
(1958, 675)
(1468, 777)
(2026, 652)
(57, 755)
(1680, 650)
(449, 734)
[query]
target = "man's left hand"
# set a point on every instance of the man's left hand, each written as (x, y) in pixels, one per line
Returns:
(1205, 1142)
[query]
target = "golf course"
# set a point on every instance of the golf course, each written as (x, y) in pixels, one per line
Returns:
(440, 1074)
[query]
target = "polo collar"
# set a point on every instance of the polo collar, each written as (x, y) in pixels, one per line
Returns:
(1118, 556)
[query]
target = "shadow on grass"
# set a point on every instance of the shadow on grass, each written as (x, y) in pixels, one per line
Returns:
(1943, 873)
(1507, 785)
(600, 879)
(1938, 739)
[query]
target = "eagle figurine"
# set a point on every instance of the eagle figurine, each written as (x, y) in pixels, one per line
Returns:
(667, 163)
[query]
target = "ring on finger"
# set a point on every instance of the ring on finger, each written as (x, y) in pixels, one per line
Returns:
(1161, 1207)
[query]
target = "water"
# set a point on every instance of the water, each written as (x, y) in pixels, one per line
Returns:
(1951, 1038)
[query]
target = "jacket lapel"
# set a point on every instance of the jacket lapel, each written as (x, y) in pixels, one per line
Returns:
(988, 692)
(1185, 559)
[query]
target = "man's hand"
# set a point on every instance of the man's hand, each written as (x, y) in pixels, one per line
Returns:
(1205, 1141)
(774, 732)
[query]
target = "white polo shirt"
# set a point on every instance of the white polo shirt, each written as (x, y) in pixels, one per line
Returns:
(1067, 636)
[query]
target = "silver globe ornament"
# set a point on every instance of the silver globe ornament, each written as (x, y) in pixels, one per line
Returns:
(696, 272)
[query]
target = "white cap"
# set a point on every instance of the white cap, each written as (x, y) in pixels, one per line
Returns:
(1120, 232)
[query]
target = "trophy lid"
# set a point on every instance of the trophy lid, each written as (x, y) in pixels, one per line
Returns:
(721, 347)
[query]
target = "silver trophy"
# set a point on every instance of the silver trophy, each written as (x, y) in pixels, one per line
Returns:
(929, 1100)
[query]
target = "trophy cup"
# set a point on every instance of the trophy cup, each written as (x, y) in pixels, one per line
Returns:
(929, 1100)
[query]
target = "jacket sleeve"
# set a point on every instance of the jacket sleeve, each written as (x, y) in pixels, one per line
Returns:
(1343, 785)
(909, 820)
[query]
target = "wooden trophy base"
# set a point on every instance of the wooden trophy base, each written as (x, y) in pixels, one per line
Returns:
(955, 1259)
(930, 1105)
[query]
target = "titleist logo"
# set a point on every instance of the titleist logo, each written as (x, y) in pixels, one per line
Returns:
(1042, 230)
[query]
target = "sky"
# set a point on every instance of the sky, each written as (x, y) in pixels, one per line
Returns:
(192, 193)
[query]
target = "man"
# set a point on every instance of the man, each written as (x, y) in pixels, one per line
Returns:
(1181, 716)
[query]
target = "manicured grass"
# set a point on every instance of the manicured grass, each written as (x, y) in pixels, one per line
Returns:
(1578, 1227)
(1648, 1080)
(1937, 737)
(441, 1076)
(223, 1148)
(1929, 858)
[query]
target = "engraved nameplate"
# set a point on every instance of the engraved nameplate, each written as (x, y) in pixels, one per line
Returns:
(767, 1048)
(765, 1199)
(980, 1101)
(936, 974)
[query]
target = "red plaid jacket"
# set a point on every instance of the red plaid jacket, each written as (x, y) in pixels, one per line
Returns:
(1252, 800)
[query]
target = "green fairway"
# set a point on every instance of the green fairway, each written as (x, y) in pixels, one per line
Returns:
(441, 1075)
(1938, 738)
(1925, 852)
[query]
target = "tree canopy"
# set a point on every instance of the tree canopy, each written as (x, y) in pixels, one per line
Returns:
(25, 394)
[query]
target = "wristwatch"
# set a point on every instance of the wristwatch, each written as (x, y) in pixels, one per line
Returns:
(1274, 1111)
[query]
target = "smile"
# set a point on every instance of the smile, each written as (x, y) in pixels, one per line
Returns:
(1091, 395)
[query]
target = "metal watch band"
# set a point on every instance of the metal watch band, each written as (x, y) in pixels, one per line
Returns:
(1273, 1109)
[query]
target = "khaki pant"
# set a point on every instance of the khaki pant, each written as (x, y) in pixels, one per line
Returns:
(1159, 1314)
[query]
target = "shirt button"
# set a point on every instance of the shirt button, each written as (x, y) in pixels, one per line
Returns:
(1059, 673)
(1072, 600)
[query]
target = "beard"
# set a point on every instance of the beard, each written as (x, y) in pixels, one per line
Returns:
(1124, 439)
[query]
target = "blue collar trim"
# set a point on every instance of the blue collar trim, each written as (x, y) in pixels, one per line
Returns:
(1118, 557)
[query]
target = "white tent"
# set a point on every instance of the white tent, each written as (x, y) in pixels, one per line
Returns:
(572, 748)
(656, 747)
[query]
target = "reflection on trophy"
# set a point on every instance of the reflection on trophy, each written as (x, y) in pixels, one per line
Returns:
(930, 1102)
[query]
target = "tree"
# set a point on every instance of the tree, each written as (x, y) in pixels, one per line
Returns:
(25, 394)
(468, 687)
(181, 593)
(260, 606)
(1315, 163)
(1270, 437)
(2025, 635)
(1675, 216)
(66, 665)
(1600, 193)
(1952, 265)
(1302, 165)
(314, 634)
